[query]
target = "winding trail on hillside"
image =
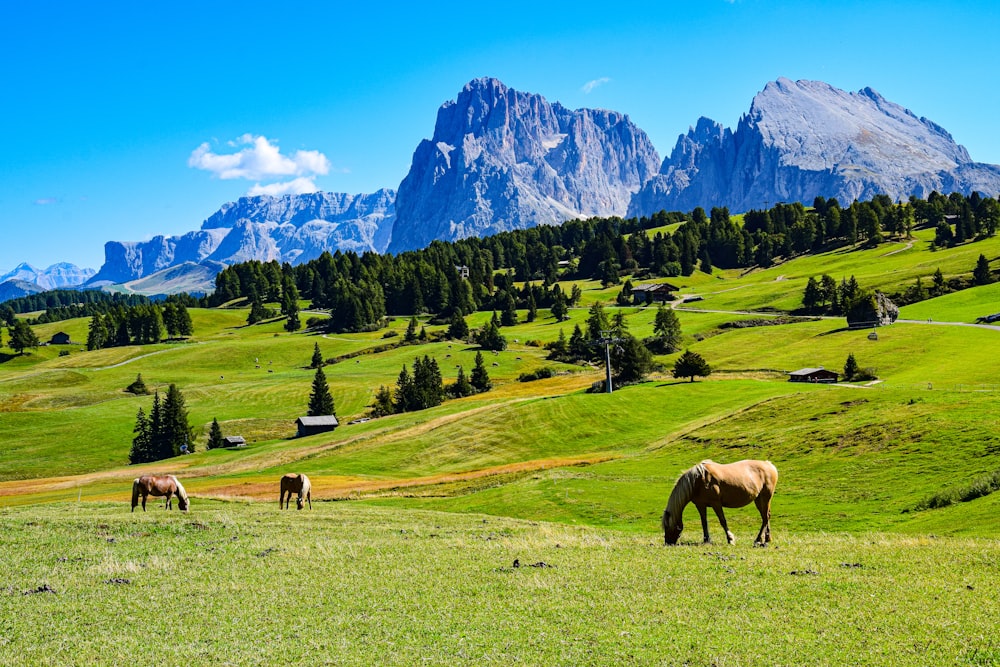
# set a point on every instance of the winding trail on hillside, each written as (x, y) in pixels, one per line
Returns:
(903, 249)
(757, 313)
(129, 361)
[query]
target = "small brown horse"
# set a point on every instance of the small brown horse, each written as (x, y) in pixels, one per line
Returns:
(295, 483)
(716, 485)
(156, 485)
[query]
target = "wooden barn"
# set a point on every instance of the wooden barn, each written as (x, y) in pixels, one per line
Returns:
(60, 338)
(234, 441)
(813, 375)
(651, 292)
(314, 425)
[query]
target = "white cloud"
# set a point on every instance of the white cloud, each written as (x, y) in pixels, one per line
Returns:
(46, 201)
(588, 87)
(298, 186)
(259, 160)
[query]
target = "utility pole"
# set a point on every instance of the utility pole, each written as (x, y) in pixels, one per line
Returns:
(606, 339)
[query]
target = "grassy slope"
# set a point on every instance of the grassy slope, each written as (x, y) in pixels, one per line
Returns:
(418, 568)
(508, 451)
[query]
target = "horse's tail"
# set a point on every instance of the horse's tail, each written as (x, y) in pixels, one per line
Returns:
(135, 493)
(182, 496)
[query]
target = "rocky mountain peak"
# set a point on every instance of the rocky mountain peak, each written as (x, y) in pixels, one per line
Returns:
(801, 139)
(501, 159)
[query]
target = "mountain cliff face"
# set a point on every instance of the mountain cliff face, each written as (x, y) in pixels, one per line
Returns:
(290, 228)
(803, 139)
(500, 160)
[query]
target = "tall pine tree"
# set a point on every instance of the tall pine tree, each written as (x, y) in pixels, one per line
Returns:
(215, 439)
(142, 450)
(176, 430)
(320, 399)
(480, 379)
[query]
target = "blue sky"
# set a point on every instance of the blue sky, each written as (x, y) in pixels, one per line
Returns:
(127, 120)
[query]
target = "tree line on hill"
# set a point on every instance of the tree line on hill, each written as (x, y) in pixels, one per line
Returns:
(479, 274)
(81, 302)
(826, 296)
(138, 325)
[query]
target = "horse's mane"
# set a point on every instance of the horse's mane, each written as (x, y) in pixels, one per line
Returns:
(684, 489)
(181, 493)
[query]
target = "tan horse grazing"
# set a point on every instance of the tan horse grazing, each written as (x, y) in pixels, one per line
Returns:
(155, 485)
(717, 485)
(295, 483)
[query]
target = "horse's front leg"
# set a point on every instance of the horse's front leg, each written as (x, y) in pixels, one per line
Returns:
(725, 528)
(703, 511)
(168, 503)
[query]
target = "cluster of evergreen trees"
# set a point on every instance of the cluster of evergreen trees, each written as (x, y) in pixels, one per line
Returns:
(826, 296)
(138, 325)
(424, 388)
(73, 303)
(829, 297)
(163, 433)
(361, 290)
(609, 339)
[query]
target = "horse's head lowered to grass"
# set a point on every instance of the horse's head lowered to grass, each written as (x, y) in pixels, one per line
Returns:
(672, 527)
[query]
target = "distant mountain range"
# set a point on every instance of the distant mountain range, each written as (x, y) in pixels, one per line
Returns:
(24, 279)
(500, 159)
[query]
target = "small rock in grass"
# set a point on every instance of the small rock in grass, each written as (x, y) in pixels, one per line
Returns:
(45, 588)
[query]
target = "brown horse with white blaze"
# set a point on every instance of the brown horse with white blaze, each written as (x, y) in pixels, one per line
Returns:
(717, 485)
(298, 484)
(159, 485)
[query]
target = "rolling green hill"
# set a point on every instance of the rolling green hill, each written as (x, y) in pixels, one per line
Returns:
(521, 525)
(512, 450)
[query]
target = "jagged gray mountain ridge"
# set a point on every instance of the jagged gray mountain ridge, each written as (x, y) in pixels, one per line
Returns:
(56, 276)
(500, 159)
(289, 228)
(805, 139)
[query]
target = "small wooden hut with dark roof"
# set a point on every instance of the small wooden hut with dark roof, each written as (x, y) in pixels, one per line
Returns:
(314, 425)
(60, 338)
(813, 375)
(650, 292)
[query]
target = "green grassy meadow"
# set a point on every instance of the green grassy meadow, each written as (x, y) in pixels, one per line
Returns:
(407, 557)
(237, 583)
